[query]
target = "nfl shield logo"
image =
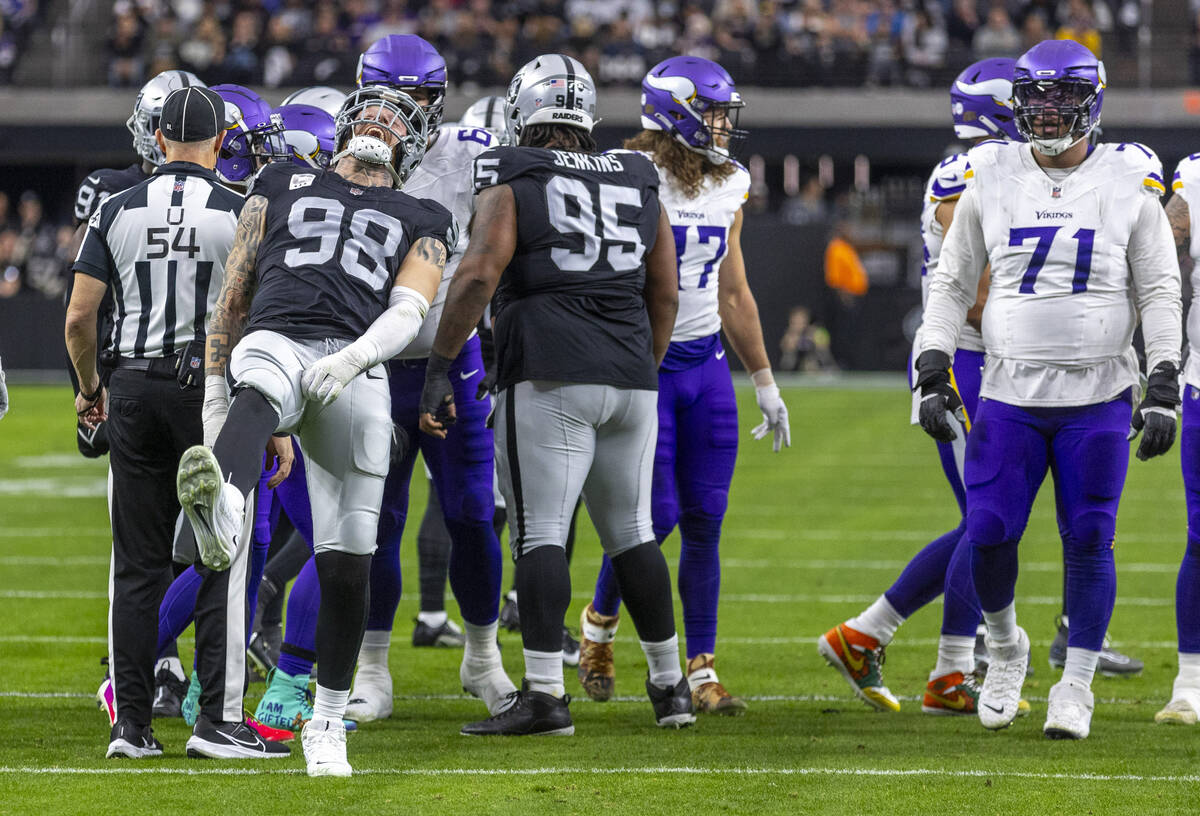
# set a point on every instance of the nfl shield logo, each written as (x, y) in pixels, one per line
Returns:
(1056, 192)
(178, 188)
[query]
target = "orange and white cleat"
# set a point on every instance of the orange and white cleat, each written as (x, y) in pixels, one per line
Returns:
(859, 658)
(951, 695)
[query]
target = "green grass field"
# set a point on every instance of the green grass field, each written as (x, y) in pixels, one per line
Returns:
(812, 535)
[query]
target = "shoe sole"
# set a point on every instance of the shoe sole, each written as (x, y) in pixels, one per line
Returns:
(940, 711)
(1056, 733)
(122, 749)
(831, 657)
(729, 707)
(198, 748)
(332, 770)
(198, 485)
(568, 731)
(677, 721)
(365, 716)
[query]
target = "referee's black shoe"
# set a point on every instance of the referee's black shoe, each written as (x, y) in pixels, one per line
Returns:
(672, 705)
(127, 741)
(534, 713)
(231, 740)
(169, 692)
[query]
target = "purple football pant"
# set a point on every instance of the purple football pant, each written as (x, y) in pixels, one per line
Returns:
(693, 468)
(463, 470)
(1009, 452)
(1187, 587)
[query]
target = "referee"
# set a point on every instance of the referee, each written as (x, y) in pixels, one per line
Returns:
(161, 247)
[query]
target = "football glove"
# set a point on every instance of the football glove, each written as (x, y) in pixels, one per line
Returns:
(216, 407)
(774, 412)
(1155, 417)
(324, 380)
(938, 396)
(437, 397)
(487, 385)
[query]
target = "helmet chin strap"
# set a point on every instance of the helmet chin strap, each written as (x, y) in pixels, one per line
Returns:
(1054, 147)
(370, 150)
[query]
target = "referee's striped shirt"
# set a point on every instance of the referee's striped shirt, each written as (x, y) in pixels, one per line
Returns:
(161, 246)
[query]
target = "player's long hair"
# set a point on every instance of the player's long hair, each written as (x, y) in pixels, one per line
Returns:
(564, 137)
(686, 166)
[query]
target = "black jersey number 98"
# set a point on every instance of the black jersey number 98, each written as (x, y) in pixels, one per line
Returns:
(367, 241)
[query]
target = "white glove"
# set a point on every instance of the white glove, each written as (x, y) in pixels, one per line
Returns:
(216, 406)
(3, 395)
(774, 412)
(324, 380)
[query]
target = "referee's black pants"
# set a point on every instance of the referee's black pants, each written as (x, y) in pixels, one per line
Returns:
(151, 423)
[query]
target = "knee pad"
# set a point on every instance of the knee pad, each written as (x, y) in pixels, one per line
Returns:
(1093, 529)
(985, 528)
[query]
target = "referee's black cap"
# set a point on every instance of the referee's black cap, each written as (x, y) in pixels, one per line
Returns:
(192, 115)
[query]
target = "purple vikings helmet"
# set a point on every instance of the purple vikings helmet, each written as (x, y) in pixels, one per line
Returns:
(1060, 81)
(676, 95)
(981, 101)
(307, 134)
(406, 62)
(250, 134)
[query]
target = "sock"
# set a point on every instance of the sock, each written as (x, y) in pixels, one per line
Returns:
(544, 586)
(481, 640)
(1189, 670)
(599, 632)
(955, 654)
(1081, 665)
(374, 651)
(433, 619)
(329, 704)
(1002, 626)
(433, 556)
(172, 664)
(298, 653)
(879, 620)
(544, 670)
(239, 448)
(662, 659)
(342, 617)
(645, 585)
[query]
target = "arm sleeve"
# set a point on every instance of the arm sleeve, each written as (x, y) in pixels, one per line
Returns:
(955, 283)
(1156, 284)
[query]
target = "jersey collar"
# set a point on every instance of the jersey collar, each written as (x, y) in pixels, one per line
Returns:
(187, 168)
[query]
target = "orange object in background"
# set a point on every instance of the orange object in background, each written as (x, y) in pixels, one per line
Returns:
(844, 270)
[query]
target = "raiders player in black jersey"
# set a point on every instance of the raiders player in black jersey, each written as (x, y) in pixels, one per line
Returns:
(98, 186)
(330, 274)
(585, 261)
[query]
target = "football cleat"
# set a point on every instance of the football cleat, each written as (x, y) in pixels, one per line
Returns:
(231, 740)
(287, 702)
(106, 701)
(324, 744)
(449, 635)
(189, 709)
(214, 507)
(859, 658)
(1184, 708)
(953, 695)
(510, 615)
(371, 698)
(1112, 663)
(570, 648)
(127, 741)
(1000, 697)
(263, 650)
(673, 707)
(1069, 711)
(708, 695)
(596, 672)
(981, 660)
(267, 732)
(484, 677)
(169, 692)
(531, 713)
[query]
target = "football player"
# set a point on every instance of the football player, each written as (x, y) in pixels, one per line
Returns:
(461, 463)
(251, 136)
(331, 274)
(1079, 247)
(586, 306)
(690, 109)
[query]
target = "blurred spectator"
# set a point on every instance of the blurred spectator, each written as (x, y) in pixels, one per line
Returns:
(326, 55)
(805, 345)
(205, 49)
(1080, 26)
(998, 37)
(924, 45)
(963, 22)
(241, 65)
(846, 283)
(10, 270)
(125, 66)
(809, 206)
(622, 60)
(1034, 30)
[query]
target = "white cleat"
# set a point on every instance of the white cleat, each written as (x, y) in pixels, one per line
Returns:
(325, 748)
(1184, 708)
(214, 507)
(371, 698)
(1069, 713)
(1000, 697)
(486, 679)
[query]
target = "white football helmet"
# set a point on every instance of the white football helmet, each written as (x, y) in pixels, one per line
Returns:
(148, 108)
(551, 89)
(319, 96)
(491, 114)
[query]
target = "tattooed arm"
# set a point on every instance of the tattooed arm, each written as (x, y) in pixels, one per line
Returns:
(228, 318)
(1179, 217)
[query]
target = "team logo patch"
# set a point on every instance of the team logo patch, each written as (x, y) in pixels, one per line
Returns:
(355, 191)
(301, 180)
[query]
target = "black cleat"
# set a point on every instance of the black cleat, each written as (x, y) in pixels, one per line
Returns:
(570, 648)
(231, 740)
(263, 651)
(672, 706)
(510, 616)
(533, 713)
(448, 635)
(1112, 663)
(128, 741)
(169, 692)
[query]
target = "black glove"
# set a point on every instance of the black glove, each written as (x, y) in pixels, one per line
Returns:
(1156, 414)
(937, 396)
(437, 397)
(487, 385)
